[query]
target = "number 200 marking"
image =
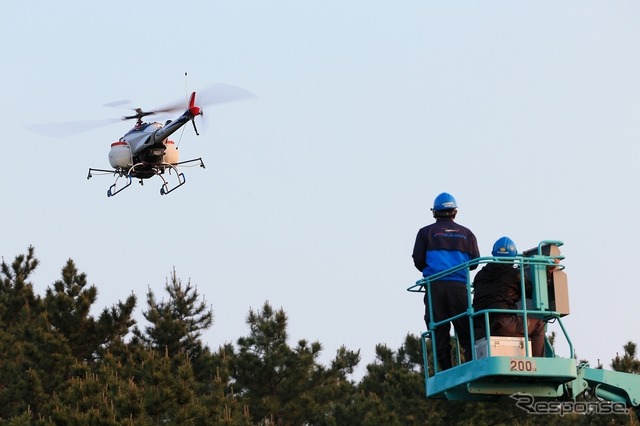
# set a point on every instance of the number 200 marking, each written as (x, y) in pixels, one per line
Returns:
(522, 365)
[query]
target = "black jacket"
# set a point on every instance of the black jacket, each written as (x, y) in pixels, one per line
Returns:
(497, 286)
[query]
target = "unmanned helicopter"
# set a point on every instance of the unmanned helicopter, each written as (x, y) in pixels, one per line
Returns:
(146, 151)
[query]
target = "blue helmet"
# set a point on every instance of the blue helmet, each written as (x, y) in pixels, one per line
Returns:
(504, 247)
(444, 201)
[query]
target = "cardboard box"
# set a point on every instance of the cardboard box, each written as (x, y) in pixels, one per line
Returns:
(559, 293)
(501, 346)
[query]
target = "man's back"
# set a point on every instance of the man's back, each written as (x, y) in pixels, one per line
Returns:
(442, 245)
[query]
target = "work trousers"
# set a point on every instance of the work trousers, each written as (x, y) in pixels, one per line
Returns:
(448, 298)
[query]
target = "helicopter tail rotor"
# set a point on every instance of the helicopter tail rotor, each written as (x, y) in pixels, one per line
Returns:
(194, 110)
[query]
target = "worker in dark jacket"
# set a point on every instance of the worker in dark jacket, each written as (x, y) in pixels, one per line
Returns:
(440, 246)
(498, 286)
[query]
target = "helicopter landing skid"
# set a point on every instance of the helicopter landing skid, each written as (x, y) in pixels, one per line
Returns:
(143, 171)
(164, 189)
(111, 191)
(118, 173)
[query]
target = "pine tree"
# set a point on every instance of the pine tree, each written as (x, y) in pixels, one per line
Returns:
(181, 382)
(392, 391)
(227, 407)
(16, 292)
(176, 324)
(69, 303)
(34, 357)
(628, 363)
(284, 385)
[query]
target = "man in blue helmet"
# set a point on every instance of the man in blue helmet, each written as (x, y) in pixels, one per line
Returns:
(497, 286)
(440, 246)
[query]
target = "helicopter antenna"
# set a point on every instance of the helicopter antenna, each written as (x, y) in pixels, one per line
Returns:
(186, 99)
(186, 87)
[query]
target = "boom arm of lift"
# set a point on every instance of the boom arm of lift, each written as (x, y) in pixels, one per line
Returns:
(614, 386)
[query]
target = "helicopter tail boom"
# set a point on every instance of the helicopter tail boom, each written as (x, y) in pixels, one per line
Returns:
(166, 131)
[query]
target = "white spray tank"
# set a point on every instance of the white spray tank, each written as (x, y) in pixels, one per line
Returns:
(171, 154)
(120, 155)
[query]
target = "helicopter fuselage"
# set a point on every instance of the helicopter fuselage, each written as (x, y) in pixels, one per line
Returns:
(143, 145)
(144, 148)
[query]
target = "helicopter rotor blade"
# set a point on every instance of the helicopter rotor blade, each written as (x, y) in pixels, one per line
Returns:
(211, 95)
(221, 93)
(69, 128)
(215, 94)
(117, 103)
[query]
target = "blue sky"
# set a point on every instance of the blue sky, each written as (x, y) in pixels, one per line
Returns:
(313, 192)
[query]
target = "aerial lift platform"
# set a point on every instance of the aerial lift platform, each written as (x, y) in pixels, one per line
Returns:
(503, 367)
